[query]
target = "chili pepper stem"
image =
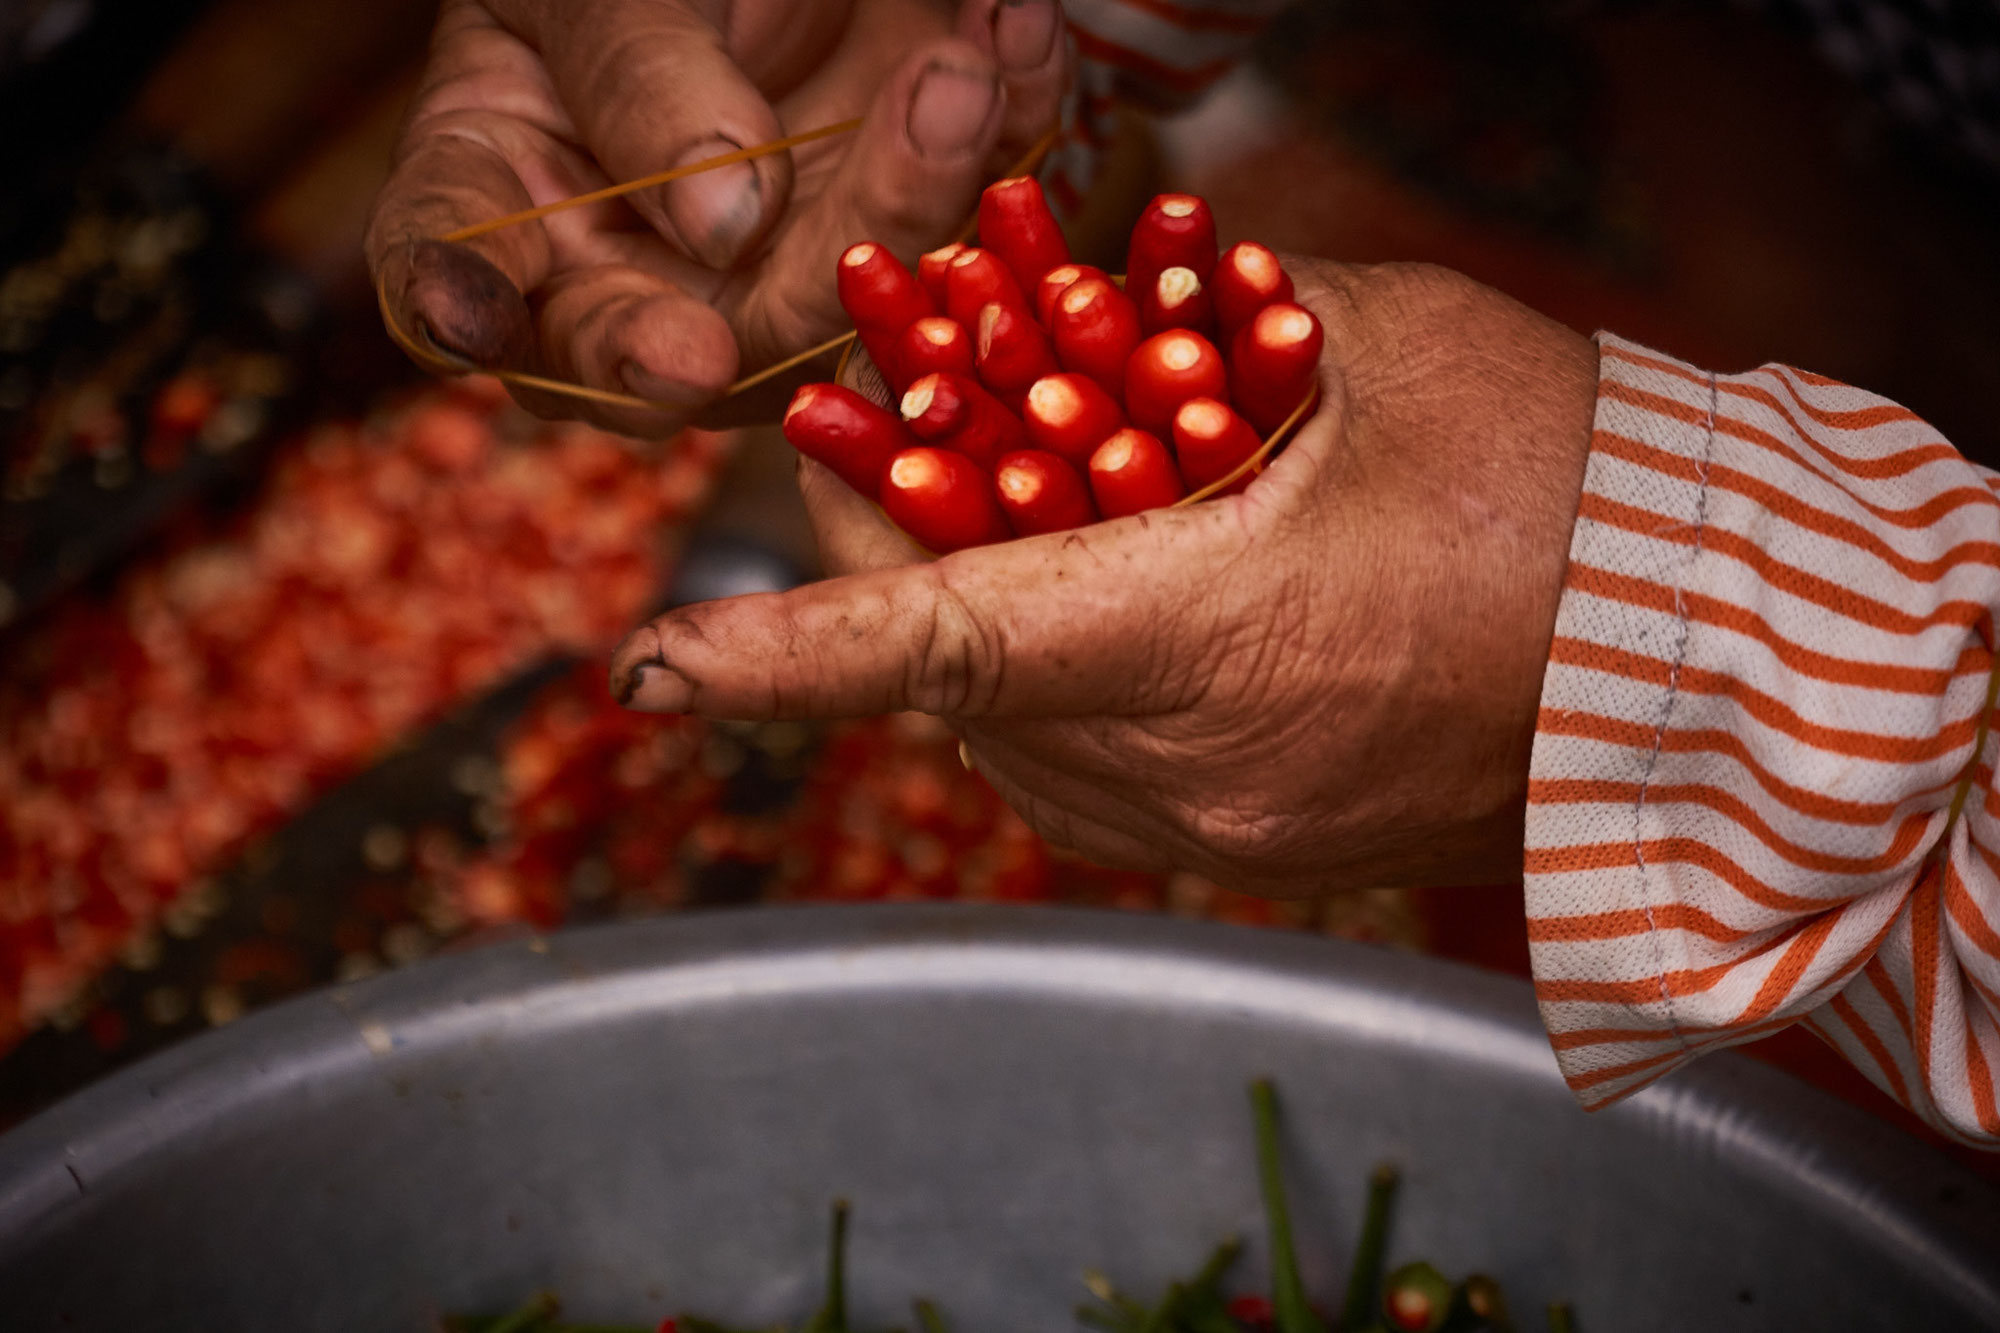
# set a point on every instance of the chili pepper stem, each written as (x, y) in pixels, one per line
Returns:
(1560, 1319)
(1364, 1279)
(832, 1315)
(929, 1320)
(538, 1309)
(1175, 1312)
(1287, 1291)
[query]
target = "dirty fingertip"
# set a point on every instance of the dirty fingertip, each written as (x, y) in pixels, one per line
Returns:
(461, 302)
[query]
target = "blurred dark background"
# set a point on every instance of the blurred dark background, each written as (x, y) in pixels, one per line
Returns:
(297, 650)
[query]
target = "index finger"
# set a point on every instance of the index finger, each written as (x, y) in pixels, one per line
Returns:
(1071, 623)
(460, 162)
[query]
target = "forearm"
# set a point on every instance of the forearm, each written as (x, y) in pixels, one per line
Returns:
(1763, 700)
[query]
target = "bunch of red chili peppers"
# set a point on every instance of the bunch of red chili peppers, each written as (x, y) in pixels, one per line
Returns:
(1037, 394)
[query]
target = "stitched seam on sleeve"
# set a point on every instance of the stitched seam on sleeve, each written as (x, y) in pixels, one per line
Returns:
(1666, 716)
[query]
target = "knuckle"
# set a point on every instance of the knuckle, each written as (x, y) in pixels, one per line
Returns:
(625, 69)
(1418, 294)
(960, 663)
(1237, 834)
(439, 125)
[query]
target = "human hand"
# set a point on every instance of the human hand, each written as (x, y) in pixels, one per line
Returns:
(668, 294)
(1330, 679)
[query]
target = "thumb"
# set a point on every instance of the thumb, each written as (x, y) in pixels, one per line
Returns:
(1108, 619)
(910, 178)
(652, 84)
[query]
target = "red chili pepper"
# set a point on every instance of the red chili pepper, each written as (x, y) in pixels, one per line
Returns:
(953, 412)
(668, 1325)
(1041, 492)
(1247, 278)
(1132, 472)
(1273, 364)
(1014, 352)
(1096, 327)
(975, 279)
(931, 344)
(1165, 371)
(1057, 281)
(840, 428)
(1176, 300)
(932, 269)
(1175, 231)
(1070, 415)
(882, 298)
(1016, 224)
(1255, 1313)
(1210, 440)
(943, 499)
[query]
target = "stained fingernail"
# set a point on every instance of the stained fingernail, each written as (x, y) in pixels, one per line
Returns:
(949, 108)
(643, 383)
(1024, 31)
(655, 687)
(466, 305)
(716, 213)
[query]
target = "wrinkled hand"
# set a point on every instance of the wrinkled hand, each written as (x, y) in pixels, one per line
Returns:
(669, 293)
(1330, 679)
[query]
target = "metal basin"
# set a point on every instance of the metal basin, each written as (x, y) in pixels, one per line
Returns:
(653, 1117)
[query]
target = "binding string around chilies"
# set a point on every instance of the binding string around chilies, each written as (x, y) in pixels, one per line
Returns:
(427, 353)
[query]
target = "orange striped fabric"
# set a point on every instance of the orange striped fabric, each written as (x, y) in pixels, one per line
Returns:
(1177, 47)
(1763, 781)
(1158, 53)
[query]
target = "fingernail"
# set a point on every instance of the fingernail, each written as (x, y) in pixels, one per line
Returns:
(716, 213)
(949, 108)
(1023, 32)
(466, 305)
(655, 687)
(645, 384)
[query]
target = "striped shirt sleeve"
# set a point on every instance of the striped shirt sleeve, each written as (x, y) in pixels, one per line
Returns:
(1158, 54)
(1762, 789)
(1165, 52)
